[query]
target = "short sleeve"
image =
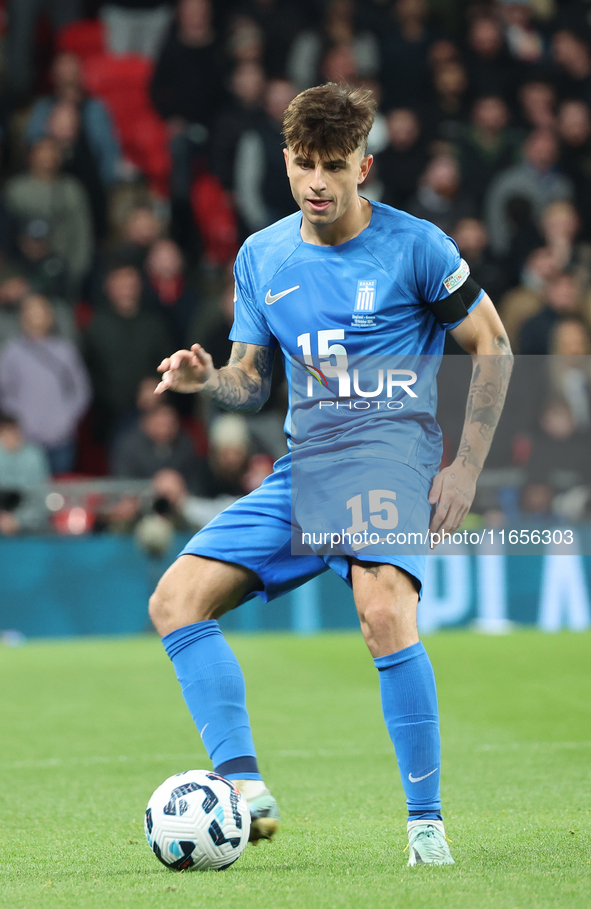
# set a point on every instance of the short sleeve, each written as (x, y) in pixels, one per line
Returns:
(440, 270)
(249, 326)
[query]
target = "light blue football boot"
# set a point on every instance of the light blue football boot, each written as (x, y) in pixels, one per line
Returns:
(264, 810)
(427, 843)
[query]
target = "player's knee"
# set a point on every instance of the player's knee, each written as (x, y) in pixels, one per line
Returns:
(376, 614)
(166, 608)
(159, 609)
(175, 603)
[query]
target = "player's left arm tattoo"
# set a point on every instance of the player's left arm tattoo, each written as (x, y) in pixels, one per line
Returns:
(373, 568)
(486, 397)
(482, 335)
(244, 383)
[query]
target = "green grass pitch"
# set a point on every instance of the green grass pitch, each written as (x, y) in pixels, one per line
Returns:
(90, 728)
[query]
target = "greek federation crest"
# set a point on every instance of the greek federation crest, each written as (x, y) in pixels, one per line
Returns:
(365, 305)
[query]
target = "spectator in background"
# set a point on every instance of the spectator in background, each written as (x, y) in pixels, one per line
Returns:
(524, 234)
(441, 52)
(245, 41)
(536, 497)
(175, 300)
(44, 384)
(188, 91)
(184, 509)
(262, 188)
(279, 21)
(377, 140)
(145, 402)
(574, 130)
(13, 289)
(537, 101)
(572, 15)
(560, 225)
(266, 426)
(525, 300)
(244, 112)
(158, 443)
(216, 339)
(123, 344)
(341, 27)
(64, 126)
(404, 48)
(23, 466)
(338, 64)
(229, 454)
(44, 192)
(6, 224)
(23, 16)
(439, 198)
(136, 26)
(486, 146)
(573, 64)
(472, 238)
(570, 370)
(491, 69)
(570, 339)
(536, 179)
(524, 39)
(559, 447)
(18, 283)
(142, 228)
(97, 126)
(541, 266)
(401, 164)
(562, 300)
(448, 106)
(36, 261)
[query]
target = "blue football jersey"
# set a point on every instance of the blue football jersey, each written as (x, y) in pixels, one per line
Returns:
(360, 344)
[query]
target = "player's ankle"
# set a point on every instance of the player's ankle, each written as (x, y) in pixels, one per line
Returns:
(251, 789)
(425, 816)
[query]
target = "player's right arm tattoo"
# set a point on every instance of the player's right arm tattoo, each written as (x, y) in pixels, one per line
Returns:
(486, 398)
(245, 382)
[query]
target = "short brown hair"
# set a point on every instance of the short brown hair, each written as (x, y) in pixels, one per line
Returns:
(329, 118)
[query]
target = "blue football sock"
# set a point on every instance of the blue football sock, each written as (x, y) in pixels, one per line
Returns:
(409, 703)
(215, 693)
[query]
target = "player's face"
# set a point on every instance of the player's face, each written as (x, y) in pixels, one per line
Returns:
(326, 188)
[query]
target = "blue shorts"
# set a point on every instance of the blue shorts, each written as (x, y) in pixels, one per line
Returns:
(258, 532)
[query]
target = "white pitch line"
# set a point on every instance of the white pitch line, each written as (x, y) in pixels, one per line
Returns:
(303, 754)
(95, 759)
(534, 746)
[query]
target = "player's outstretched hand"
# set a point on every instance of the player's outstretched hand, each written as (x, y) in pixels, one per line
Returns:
(186, 371)
(453, 491)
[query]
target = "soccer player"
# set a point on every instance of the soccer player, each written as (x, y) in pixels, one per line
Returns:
(379, 282)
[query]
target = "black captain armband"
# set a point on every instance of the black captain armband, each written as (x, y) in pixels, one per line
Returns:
(455, 307)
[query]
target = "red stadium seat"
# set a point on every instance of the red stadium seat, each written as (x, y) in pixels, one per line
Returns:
(122, 83)
(126, 107)
(145, 141)
(84, 38)
(108, 75)
(215, 218)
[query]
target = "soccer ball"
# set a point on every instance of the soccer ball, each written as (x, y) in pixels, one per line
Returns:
(197, 821)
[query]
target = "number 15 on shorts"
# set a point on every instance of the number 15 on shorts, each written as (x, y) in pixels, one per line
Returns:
(379, 507)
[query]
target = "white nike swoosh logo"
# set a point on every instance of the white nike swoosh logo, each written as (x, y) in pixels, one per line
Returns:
(272, 298)
(419, 778)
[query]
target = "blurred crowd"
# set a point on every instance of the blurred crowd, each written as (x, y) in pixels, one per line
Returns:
(140, 145)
